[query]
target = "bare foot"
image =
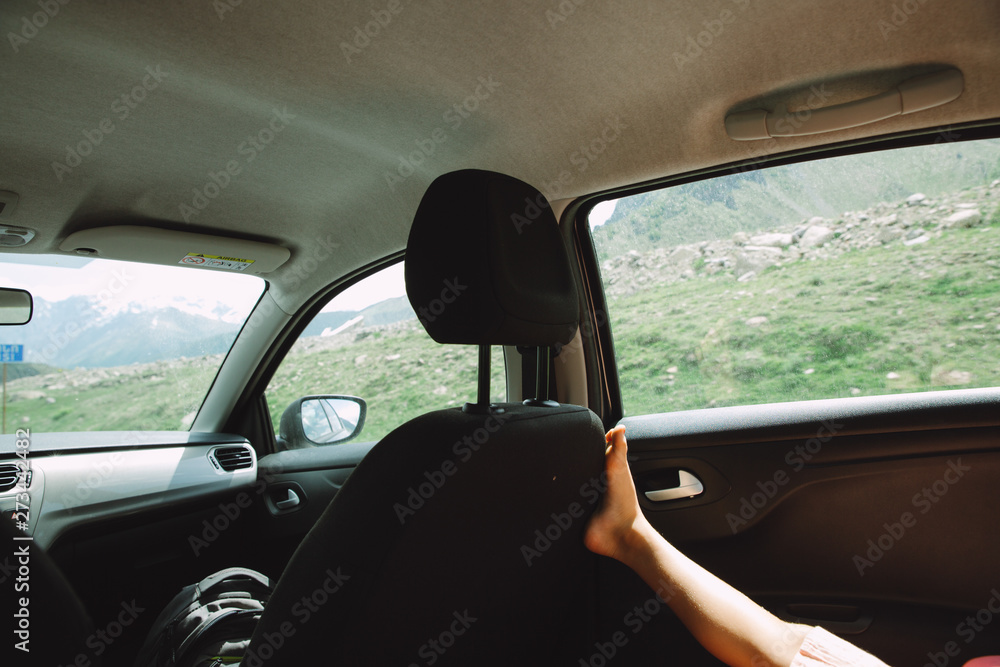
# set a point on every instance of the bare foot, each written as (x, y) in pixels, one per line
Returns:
(618, 523)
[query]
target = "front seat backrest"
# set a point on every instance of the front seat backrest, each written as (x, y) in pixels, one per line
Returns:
(458, 539)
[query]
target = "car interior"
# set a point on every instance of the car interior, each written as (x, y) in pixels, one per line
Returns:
(349, 294)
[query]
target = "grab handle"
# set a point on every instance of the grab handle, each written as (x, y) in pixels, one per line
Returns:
(916, 94)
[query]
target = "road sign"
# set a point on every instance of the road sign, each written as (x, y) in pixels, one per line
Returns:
(10, 353)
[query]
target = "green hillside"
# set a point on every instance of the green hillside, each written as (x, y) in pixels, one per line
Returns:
(833, 329)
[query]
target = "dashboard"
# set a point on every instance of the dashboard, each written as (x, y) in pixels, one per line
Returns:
(63, 481)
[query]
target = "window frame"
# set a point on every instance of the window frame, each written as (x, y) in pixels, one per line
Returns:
(599, 348)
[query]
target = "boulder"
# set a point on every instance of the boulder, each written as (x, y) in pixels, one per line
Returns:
(888, 235)
(816, 236)
(683, 257)
(964, 218)
(774, 240)
(756, 261)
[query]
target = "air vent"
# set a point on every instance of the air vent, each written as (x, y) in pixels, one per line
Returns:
(233, 458)
(9, 474)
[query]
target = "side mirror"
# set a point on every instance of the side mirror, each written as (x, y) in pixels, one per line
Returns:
(15, 306)
(321, 420)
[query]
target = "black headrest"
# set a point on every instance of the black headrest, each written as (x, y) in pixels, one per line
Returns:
(486, 264)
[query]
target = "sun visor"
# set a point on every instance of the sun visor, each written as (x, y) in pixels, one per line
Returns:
(151, 245)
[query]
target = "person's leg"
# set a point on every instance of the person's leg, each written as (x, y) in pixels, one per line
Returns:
(726, 622)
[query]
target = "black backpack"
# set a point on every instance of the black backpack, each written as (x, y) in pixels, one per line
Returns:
(208, 624)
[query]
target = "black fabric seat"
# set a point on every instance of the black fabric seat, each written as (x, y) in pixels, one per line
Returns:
(458, 539)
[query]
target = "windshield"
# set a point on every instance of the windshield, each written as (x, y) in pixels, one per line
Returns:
(117, 345)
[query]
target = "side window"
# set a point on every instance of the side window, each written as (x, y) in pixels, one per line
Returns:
(367, 343)
(851, 276)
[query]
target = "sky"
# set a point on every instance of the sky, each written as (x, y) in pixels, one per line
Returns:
(600, 213)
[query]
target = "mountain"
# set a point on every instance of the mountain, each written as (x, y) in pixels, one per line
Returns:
(75, 332)
(382, 313)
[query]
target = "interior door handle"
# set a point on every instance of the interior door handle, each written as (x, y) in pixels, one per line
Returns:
(688, 486)
(291, 501)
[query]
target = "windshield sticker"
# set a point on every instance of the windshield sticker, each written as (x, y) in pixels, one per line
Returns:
(216, 262)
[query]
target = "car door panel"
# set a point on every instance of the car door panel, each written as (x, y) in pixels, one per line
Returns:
(314, 475)
(872, 517)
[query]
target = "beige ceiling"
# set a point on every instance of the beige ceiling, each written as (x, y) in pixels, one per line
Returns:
(552, 78)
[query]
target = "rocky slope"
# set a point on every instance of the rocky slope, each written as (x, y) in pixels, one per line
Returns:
(912, 221)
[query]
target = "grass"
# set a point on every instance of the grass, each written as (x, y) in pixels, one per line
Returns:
(129, 401)
(927, 314)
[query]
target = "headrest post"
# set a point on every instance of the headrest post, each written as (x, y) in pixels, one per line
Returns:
(544, 358)
(484, 375)
(542, 374)
(482, 404)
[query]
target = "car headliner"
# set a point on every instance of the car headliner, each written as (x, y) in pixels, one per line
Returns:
(560, 72)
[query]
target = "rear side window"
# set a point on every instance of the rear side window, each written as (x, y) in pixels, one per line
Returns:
(851, 276)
